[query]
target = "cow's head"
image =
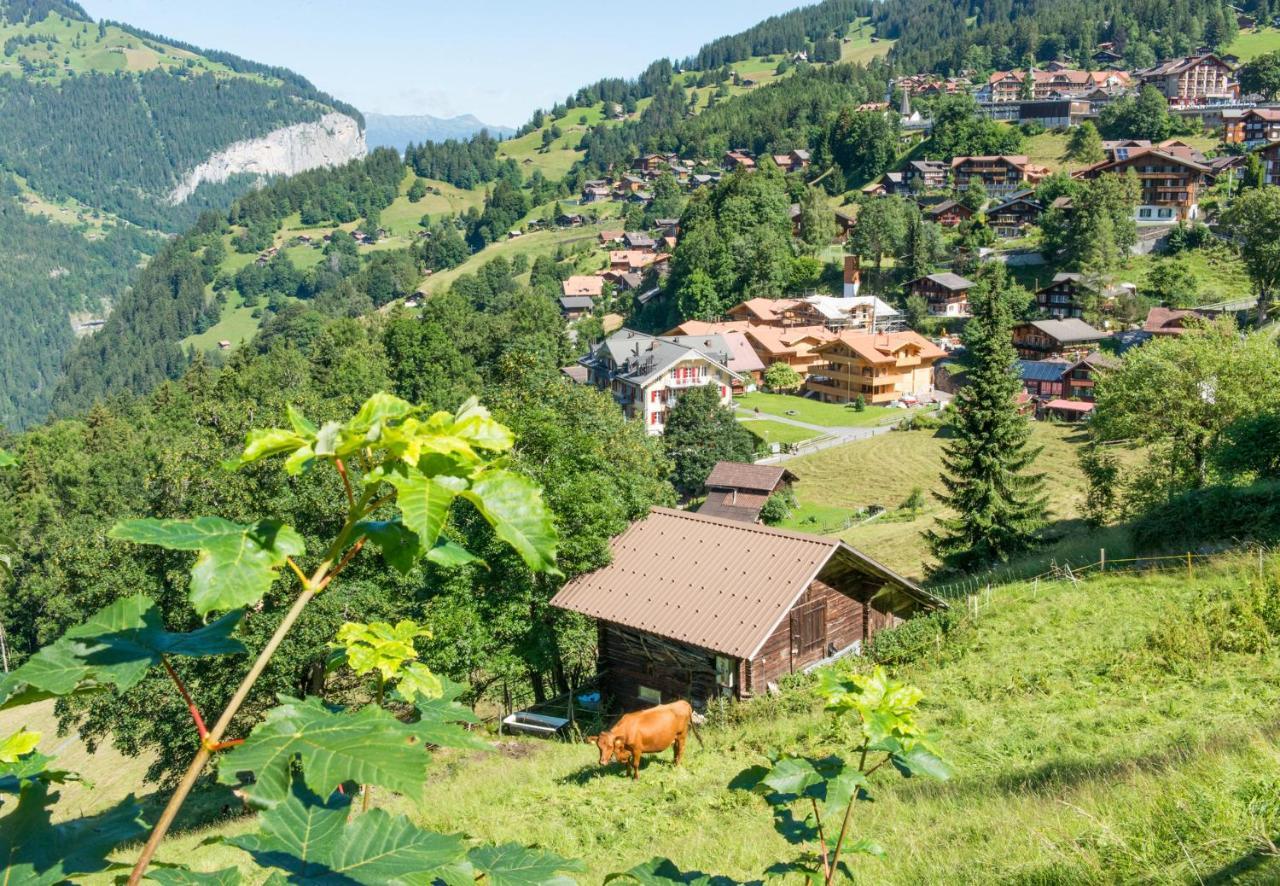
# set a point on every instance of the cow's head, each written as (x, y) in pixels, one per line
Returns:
(610, 746)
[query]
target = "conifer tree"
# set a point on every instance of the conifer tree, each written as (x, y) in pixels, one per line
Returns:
(998, 503)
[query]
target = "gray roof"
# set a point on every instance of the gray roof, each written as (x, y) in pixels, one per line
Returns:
(577, 302)
(640, 358)
(948, 280)
(1073, 329)
(1043, 370)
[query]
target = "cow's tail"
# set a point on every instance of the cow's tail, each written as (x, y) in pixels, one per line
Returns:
(694, 722)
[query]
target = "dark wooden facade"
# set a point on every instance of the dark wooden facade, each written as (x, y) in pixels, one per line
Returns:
(640, 669)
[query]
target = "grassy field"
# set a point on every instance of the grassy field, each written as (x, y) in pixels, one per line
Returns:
(884, 470)
(827, 415)
(776, 431)
(531, 245)
(1080, 756)
(237, 326)
(1250, 44)
(401, 217)
(77, 47)
(1220, 276)
(859, 48)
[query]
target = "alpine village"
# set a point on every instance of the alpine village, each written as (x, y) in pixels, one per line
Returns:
(847, 454)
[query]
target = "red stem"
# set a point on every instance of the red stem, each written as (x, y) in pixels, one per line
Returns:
(186, 696)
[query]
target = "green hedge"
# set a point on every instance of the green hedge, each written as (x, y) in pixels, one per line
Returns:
(1218, 513)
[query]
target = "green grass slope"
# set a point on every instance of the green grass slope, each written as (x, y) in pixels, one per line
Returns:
(1085, 751)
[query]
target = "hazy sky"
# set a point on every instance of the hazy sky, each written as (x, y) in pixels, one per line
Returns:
(497, 59)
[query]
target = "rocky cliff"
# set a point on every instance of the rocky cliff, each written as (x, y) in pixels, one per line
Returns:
(332, 140)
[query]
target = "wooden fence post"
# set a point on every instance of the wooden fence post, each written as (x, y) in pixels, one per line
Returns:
(1188, 564)
(1102, 559)
(4, 650)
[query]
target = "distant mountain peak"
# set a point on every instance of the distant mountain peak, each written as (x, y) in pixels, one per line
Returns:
(396, 130)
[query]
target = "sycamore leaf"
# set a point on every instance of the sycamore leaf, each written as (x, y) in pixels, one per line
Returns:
(513, 505)
(417, 681)
(451, 555)
(18, 745)
(367, 747)
(400, 547)
(919, 760)
(7, 460)
(264, 443)
(865, 847)
(424, 502)
(379, 409)
(181, 876)
(36, 852)
(663, 872)
(514, 865)
(474, 424)
(31, 767)
(237, 563)
(792, 777)
(438, 718)
(113, 648)
(301, 426)
(311, 840)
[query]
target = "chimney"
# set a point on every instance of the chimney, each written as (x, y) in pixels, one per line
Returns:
(852, 276)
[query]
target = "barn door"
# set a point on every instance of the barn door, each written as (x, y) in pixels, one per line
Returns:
(808, 632)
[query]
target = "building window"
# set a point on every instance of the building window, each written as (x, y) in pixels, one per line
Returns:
(649, 694)
(726, 676)
(653, 396)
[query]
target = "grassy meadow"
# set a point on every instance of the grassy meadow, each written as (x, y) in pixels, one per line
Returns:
(827, 415)
(1085, 750)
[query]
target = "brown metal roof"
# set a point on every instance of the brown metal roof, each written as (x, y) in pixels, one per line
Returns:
(715, 584)
(737, 475)
(732, 504)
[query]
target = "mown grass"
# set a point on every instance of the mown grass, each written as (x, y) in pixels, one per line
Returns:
(531, 245)
(1253, 43)
(237, 325)
(775, 431)
(884, 471)
(1080, 756)
(827, 415)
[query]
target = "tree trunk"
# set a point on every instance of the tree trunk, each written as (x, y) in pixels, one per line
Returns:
(1264, 301)
(539, 686)
(312, 682)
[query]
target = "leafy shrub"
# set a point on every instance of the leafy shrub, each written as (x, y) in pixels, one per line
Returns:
(1218, 513)
(922, 421)
(1241, 617)
(914, 638)
(777, 508)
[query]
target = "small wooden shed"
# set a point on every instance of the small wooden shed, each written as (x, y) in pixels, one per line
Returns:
(699, 607)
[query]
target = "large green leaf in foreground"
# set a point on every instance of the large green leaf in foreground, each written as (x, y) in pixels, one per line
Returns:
(369, 746)
(237, 563)
(35, 852)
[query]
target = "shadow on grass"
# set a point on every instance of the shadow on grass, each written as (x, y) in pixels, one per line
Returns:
(594, 771)
(1239, 870)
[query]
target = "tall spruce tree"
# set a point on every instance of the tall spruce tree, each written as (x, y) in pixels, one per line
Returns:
(998, 503)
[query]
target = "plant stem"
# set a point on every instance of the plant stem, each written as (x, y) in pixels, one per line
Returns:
(368, 789)
(186, 696)
(822, 842)
(844, 825)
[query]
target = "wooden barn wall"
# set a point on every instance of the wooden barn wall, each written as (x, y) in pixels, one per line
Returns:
(630, 659)
(849, 620)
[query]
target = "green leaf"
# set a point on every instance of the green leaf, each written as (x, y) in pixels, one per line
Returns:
(311, 840)
(664, 872)
(424, 502)
(792, 777)
(31, 767)
(7, 460)
(301, 426)
(113, 648)
(838, 791)
(237, 563)
(181, 876)
(367, 747)
(514, 865)
(865, 847)
(378, 409)
(438, 718)
(473, 424)
(36, 852)
(919, 760)
(513, 505)
(400, 547)
(417, 681)
(451, 556)
(18, 745)
(260, 444)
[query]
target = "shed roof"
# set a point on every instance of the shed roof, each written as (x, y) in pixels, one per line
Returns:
(718, 584)
(1043, 370)
(1070, 330)
(947, 280)
(737, 475)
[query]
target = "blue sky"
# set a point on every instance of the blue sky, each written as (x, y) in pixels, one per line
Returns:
(497, 59)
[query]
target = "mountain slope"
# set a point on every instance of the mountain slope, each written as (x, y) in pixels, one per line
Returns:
(396, 131)
(112, 131)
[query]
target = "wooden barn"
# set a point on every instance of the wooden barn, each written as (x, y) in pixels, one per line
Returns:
(698, 607)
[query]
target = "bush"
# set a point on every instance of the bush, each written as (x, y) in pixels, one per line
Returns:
(1215, 514)
(860, 404)
(914, 638)
(1242, 617)
(922, 421)
(777, 508)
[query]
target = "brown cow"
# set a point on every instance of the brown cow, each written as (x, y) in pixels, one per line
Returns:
(646, 732)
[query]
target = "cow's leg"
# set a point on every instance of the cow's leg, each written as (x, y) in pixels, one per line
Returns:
(680, 740)
(635, 764)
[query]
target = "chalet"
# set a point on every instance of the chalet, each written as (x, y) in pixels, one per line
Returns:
(569, 220)
(1269, 154)
(1252, 127)
(224, 345)
(948, 213)
(1193, 80)
(738, 491)
(846, 220)
(1172, 321)
(698, 608)
(639, 242)
(926, 175)
(647, 374)
(1056, 113)
(879, 367)
(623, 281)
(653, 163)
(609, 238)
(739, 160)
(1000, 175)
(583, 285)
(1170, 177)
(1066, 410)
(1011, 218)
(1107, 56)
(1120, 149)
(1043, 379)
(886, 185)
(1041, 339)
(575, 307)
(947, 294)
(795, 346)
(596, 193)
(793, 161)
(1064, 297)
(1047, 380)
(742, 359)
(863, 312)
(626, 260)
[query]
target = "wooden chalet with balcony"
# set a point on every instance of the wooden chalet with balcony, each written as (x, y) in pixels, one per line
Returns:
(1011, 218)
(1001, 175)
(1193, 80)
(947, 294)
(880, 368)
(1043, 339)
(1065, 296)
(1171, 177)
